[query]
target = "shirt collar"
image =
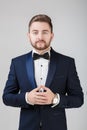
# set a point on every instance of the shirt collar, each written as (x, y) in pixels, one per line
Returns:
(34, 51)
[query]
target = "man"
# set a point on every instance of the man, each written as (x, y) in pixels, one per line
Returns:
(43, 82)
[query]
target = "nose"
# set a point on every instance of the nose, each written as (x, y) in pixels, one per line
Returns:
(40, 36)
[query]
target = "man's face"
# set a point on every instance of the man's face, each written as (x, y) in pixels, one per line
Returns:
(40, 35)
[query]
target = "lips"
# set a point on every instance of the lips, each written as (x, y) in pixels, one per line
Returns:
(40, 41)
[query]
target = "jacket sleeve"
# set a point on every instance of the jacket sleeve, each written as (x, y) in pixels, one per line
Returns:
(74, 95)
(12, 96)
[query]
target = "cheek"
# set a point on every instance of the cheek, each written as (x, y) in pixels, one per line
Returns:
(32, 39)
(49, 39)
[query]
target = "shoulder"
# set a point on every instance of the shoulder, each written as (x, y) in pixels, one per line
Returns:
(21, 57)
(62, 57)
(64, 61)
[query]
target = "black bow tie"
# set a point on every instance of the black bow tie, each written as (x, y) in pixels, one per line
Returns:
(37, 56)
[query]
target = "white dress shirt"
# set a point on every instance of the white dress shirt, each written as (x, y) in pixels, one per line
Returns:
(41, 70)
(41, 66)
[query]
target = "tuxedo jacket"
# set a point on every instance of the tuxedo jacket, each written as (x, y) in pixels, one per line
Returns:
(62, 78)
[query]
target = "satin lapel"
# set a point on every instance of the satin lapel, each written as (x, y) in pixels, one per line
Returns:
(52, 69)
(30, 70)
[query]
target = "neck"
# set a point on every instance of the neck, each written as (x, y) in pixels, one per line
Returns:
(42, 51)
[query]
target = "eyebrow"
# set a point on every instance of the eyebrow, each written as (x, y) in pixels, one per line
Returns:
(45, 30)
(42, 30)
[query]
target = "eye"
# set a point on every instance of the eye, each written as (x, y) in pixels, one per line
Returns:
(45, 32)
(35, 32)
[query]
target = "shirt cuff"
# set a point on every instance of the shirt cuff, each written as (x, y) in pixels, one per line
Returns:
(58, 101)
(26, 99)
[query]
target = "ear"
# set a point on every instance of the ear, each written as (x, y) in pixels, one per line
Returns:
(52, 36)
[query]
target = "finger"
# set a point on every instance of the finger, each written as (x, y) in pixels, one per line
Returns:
(41, 102)
(40, 87)
(40, 98)
(37, 89)
(45, 88)
(40, 93)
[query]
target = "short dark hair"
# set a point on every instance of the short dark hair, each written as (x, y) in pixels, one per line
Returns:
(41, 18)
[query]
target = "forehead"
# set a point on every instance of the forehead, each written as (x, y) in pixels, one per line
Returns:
(40, 26)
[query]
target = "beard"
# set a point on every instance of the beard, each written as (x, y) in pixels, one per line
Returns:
(40, 45)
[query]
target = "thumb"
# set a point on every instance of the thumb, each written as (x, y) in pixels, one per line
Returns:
(43, 88)
(37, 89)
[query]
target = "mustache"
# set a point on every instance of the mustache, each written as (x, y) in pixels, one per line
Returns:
(40, 41)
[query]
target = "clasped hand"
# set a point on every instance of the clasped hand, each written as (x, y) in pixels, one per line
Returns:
(40, 98)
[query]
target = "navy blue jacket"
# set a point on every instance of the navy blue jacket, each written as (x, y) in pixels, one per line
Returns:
(62, 78)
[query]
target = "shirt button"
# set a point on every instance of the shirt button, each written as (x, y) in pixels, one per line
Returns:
(41, 78)
(41, 65)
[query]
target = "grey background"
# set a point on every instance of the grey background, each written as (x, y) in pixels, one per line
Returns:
(70, 29)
